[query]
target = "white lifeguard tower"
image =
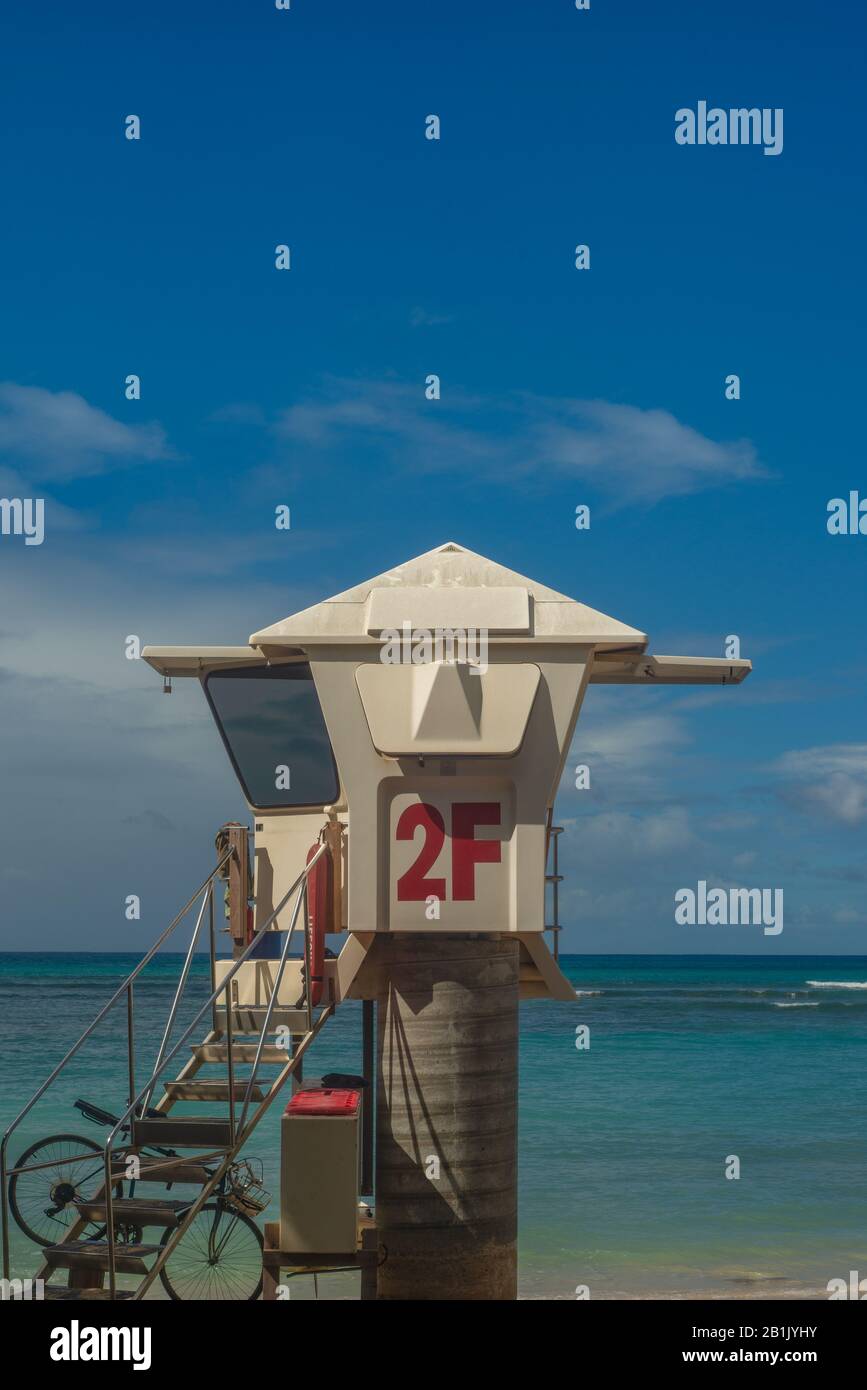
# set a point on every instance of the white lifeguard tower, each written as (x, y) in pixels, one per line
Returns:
(437, 774)
(400, 747)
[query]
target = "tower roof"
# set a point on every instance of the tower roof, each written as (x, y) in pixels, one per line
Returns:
(448, 589)
(451, 587)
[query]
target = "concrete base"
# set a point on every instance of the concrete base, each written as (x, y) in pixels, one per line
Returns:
(446, 1140)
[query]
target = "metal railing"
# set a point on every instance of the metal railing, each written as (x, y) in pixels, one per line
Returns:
(238, 1133)
(126, 988)
(555, 878)
(139, 1099)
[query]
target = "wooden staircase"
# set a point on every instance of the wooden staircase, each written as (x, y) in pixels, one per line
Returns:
(215, 1137)
(273, 1036)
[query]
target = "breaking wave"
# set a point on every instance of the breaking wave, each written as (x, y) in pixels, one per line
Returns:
(837, 984)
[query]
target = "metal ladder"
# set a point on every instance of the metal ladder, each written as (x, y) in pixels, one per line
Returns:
(215, 1140)
(555, 878)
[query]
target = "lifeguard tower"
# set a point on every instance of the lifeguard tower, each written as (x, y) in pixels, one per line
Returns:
(400, 747)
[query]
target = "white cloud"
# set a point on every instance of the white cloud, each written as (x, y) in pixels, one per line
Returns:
(57, 516)
(830, 781)
(627, 453)
(647, 453)
(57, 435)
(629, 742)
(425, 318)
(618, 837)
(632, 757)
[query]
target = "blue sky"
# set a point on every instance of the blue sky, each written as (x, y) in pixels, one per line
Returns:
(306, 387)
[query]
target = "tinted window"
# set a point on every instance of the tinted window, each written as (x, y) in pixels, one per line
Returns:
(270, 717)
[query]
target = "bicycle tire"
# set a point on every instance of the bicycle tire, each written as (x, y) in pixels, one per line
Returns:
(47, 1237)
(193, 1257)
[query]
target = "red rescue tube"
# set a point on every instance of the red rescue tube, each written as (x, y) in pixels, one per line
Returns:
(320, 909)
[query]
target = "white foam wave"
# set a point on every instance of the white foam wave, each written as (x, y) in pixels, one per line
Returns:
(837, 984)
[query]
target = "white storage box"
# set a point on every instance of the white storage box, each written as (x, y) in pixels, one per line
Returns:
(319, 1142)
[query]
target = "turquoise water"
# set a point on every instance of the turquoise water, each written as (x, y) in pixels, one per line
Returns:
(622, 1148)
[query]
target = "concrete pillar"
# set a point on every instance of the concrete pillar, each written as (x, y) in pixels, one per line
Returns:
(447, 1090)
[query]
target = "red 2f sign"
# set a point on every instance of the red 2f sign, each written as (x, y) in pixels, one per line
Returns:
(415, 885)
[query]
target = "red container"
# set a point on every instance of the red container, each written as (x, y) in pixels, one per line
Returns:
(321, 1101)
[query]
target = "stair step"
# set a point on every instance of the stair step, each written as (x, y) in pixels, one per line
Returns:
(252, 1020)
(139, 1210)
(93, 1254)
(242, 1052)
(162, 1172)
(64, 1294)
(184, 1132)
(211, 1090)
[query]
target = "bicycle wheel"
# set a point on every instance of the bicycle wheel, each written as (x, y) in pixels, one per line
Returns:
(218, 1257)
(41, 1201)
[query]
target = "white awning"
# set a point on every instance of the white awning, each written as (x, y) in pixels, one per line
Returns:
(192, 661)
(609, 668)
(628, 668)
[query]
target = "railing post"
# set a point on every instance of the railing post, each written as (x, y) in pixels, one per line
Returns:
(239, 884)
(307, 960)
(212, 946)
(130, 1041)
(552, 836)
(368, 1099)
(4, 1208)
(230, 1061)
(109, 1220)
(556, 831)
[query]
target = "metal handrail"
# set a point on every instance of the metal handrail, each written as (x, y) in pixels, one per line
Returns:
(555, 878)
(210, 1002)
(124, 988)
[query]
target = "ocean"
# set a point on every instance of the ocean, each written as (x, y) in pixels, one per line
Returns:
(696, 1065)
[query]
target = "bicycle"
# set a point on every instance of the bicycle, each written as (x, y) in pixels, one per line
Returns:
(219, 1255)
